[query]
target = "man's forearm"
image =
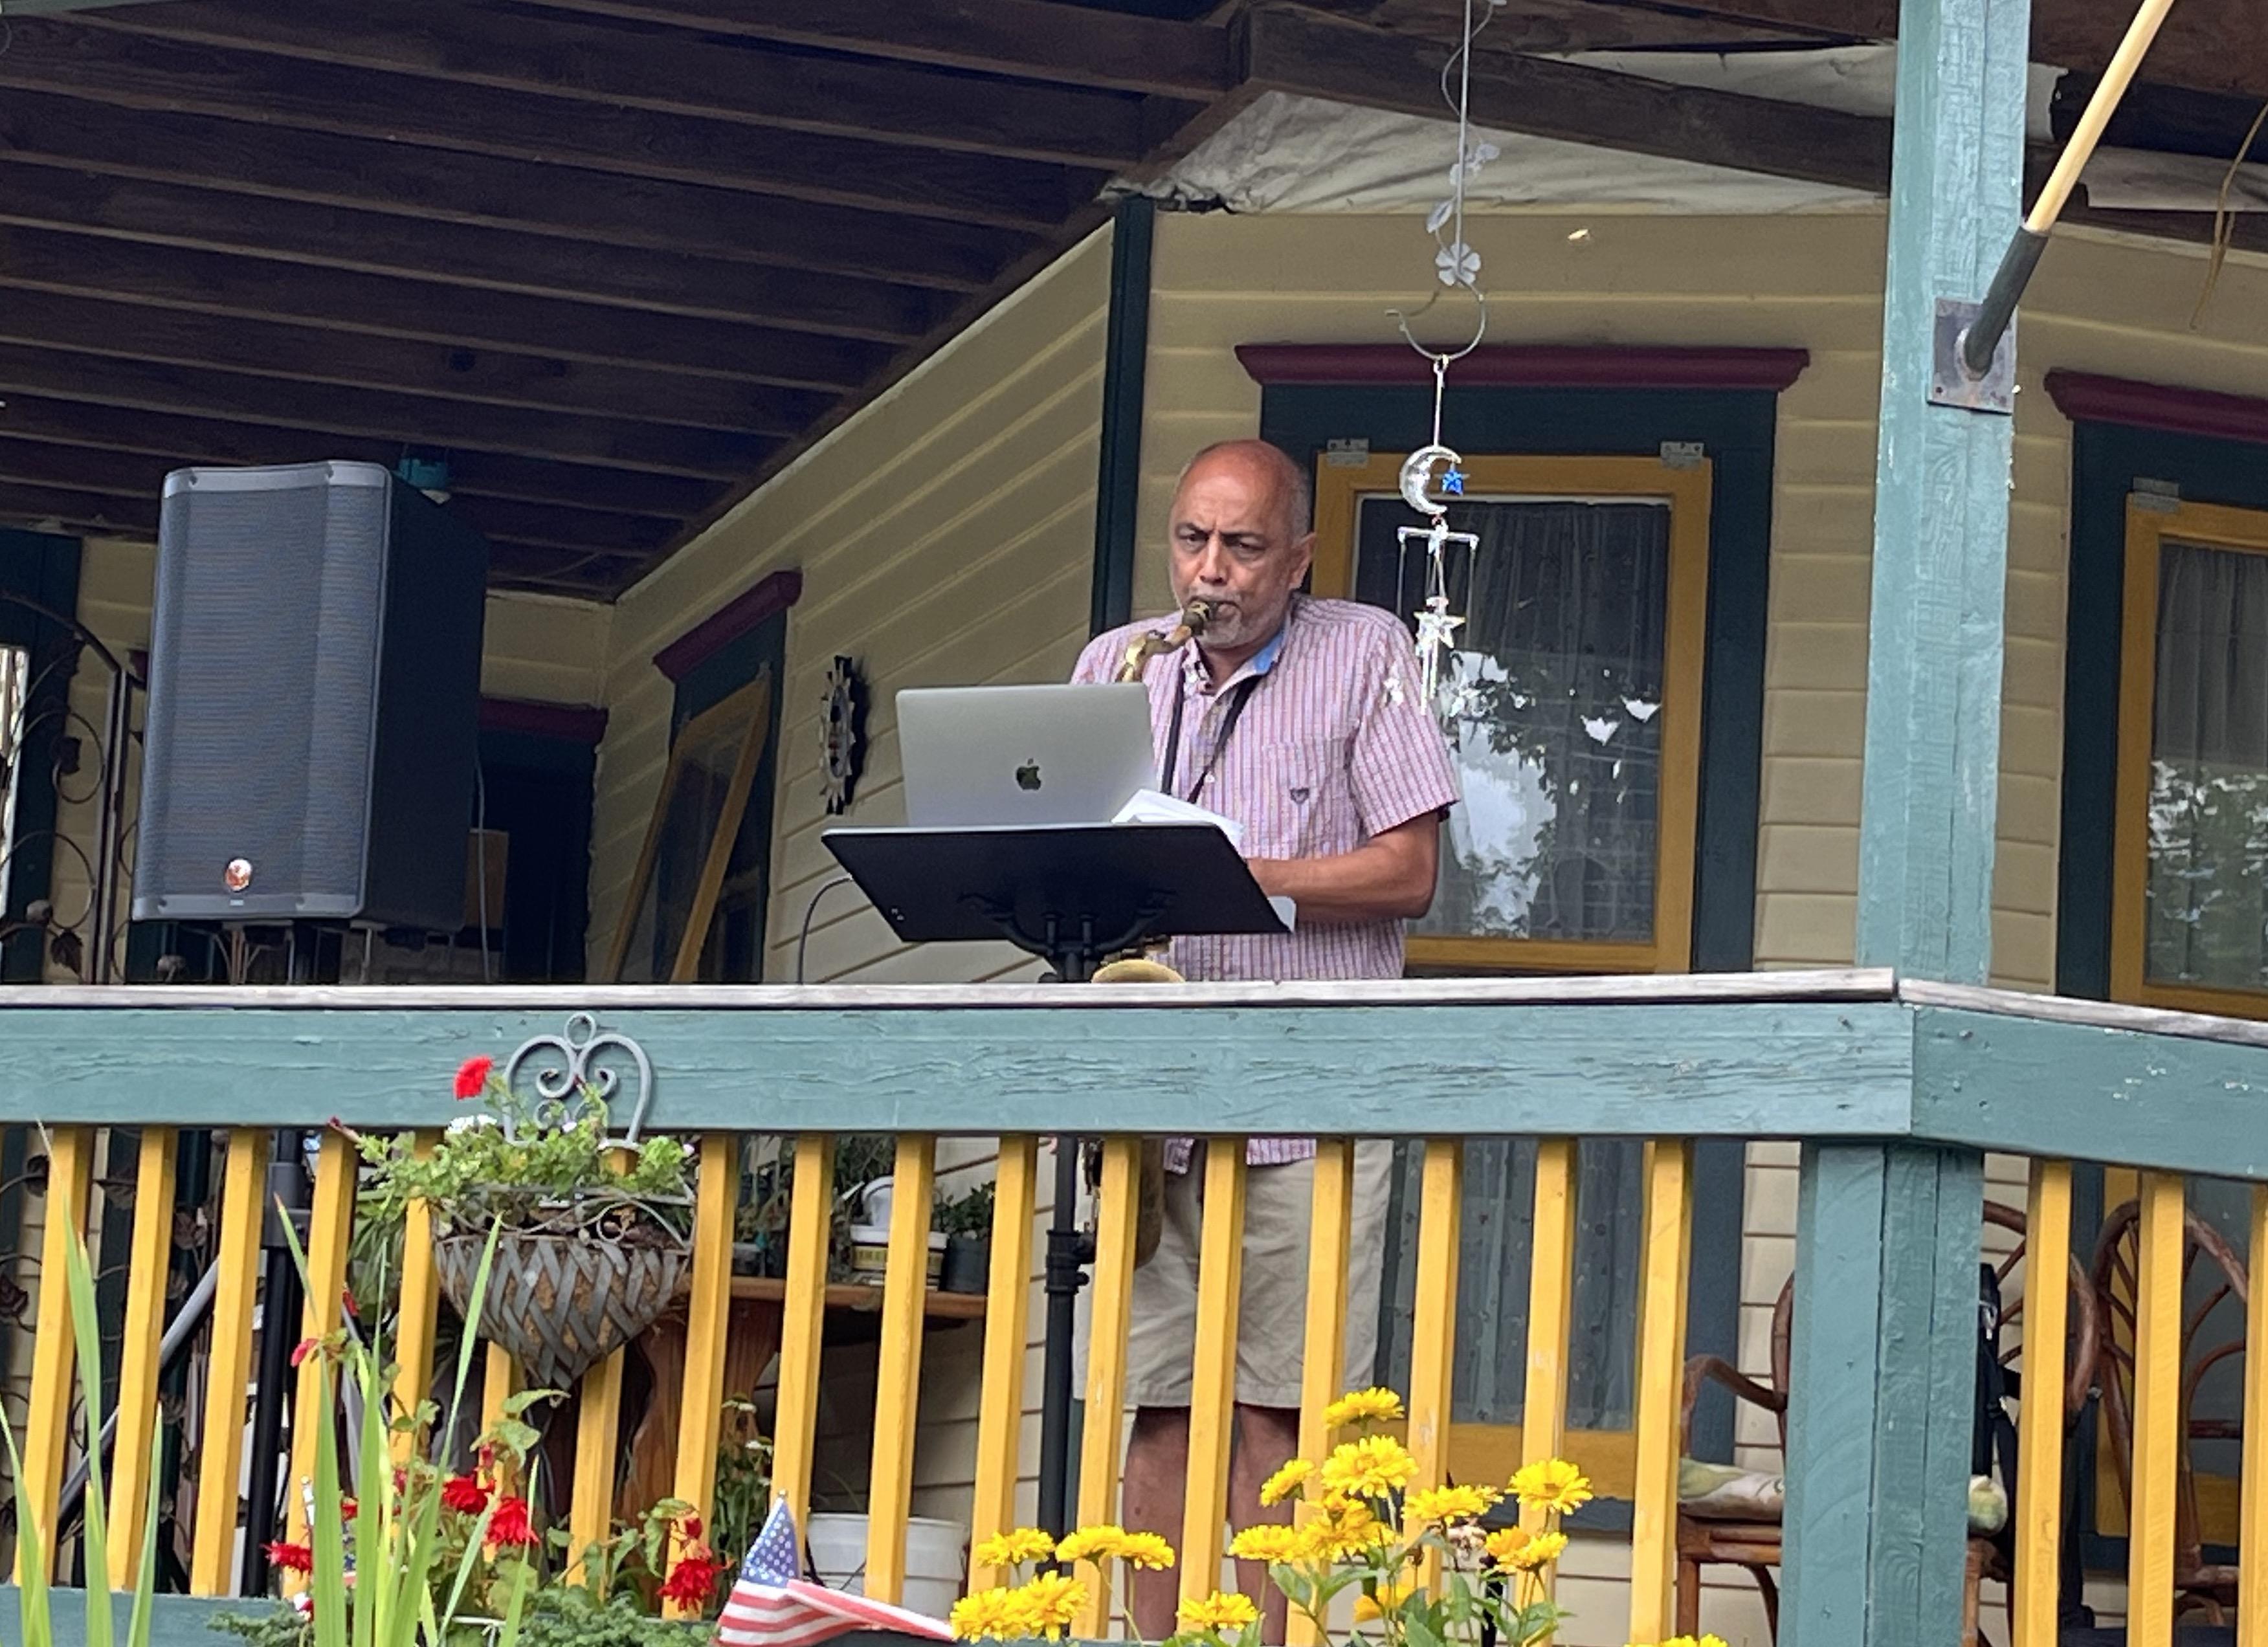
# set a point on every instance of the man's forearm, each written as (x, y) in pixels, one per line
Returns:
(1389, 879)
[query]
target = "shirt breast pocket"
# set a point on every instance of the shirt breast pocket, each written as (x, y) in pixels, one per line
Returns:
(1305, 805)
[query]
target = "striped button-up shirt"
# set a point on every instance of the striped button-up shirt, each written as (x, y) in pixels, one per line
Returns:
(1335, 746)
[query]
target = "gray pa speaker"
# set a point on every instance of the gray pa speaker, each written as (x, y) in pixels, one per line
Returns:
(315, 701)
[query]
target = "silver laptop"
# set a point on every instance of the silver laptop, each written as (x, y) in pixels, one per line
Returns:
(980, 755)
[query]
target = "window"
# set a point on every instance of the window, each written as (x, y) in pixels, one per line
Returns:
(1584, 604)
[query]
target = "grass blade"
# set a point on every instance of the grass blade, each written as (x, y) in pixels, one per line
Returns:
(377, 1464)
(38, 1624)
(87, 1331)
(325, 1534)
(145, 1574)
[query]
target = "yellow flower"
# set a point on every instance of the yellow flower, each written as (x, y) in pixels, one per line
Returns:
(991, 1615)
(1049, 1603)
(1015, 1548)
(1449, 1503)
(1368, 1609)
(1145, 1549)
(1368, 1468)
(1092, 1544)
(1504, 1543)
(1536, 1554)
(1221, 1611)
(1269, 1542)
(1346, 1528)
(1286, 1482)
(1691, 1641)
(1554, 1484)
(1363, 1407)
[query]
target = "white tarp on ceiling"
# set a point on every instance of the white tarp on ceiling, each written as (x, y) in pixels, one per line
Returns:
(1290, 153)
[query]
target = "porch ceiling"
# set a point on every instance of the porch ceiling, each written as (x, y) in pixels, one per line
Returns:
(618, 260)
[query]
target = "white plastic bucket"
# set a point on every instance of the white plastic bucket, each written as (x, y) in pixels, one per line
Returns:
(870, 1254)
(936, 1557)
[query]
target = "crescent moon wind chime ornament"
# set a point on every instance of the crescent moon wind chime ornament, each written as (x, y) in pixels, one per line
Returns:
(1441, 675)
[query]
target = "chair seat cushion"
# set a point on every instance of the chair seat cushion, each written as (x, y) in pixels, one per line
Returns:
(1724, 1492)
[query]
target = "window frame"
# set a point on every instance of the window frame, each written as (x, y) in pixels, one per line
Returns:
(1341, 489)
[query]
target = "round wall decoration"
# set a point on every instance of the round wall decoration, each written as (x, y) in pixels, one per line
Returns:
(843, 731)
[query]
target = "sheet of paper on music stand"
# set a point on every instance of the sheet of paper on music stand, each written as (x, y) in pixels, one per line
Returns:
(1154, 806)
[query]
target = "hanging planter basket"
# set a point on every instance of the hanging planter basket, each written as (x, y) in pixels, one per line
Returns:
(573, 1279)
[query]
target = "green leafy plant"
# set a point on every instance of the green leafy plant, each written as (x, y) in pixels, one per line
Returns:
(744, 1479)
(968, 1214)
(34, 1601)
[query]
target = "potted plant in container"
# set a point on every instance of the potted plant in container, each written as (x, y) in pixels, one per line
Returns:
(966, 1222)
(592, 1231)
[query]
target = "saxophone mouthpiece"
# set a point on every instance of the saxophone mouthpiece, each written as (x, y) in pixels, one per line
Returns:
(1195, 616)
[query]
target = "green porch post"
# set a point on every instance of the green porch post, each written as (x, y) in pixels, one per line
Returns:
(1888, 1235)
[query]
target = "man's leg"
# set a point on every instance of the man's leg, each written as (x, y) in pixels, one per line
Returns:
(1266, 1439)
(1157, 1476)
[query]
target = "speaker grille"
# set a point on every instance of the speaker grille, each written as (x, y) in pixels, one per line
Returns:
(264, 677)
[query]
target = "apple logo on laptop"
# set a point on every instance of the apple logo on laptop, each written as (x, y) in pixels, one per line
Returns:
(1027, 776)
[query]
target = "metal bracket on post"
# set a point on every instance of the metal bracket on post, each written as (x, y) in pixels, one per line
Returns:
(1950, 380)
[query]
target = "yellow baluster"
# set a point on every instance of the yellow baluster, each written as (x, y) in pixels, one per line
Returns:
(1007, 1321)
(591, 1505)
(810, 1219)
(1212, 1389)
(46, 1428)
(1551, 1313)
(499, 1382)
(2252, 1556)
(708, 1314)
(146, 1277)
(1323, 1361)
(2157, 1411)
(1117, 1210)
(1669, 1251)
(1434, 1319)
(220, 1448)
(330, 1225)
(421, 1308)
(2039, 1438)
(897, 1387)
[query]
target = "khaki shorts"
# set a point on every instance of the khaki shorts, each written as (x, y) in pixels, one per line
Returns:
(1272, 1311)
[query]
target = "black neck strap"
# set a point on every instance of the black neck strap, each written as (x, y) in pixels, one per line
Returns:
(1237, 699)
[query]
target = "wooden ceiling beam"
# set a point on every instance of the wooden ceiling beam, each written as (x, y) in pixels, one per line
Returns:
(681, 219)
(308, 354)
(139, 72)
(1315, 57)
(490, 259)
(216, 282)
(170, 441)
(668, 71)
(1564, 26)
(415, 420)
(1038, 39)
(89, 513)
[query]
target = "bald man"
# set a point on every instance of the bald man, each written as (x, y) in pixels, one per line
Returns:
(1301, 719)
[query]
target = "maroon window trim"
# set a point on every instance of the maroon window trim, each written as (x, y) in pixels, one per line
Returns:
(1527, 365)
(2084, 397)
(571, 723)
(730, 622)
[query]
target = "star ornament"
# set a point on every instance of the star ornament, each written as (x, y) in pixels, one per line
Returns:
(1436, 626)
(1453, 482)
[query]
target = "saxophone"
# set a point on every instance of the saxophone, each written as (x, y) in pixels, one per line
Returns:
(1195, 616)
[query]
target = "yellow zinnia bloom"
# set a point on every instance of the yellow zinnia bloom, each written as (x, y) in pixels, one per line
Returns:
(989, 1615)
(1092, 1544)
(1285, 1481)
(1504, 1543)
(1369, 1609)
(1368, 1468)
(1145, 1549)
(1363, 1407)
(1346, 1528)
(1554, 1484)
(1222, 1610)
(1014, 1548)
(1449, 1503)
(1537, 1554)
(1049, 1603)
(1270, 1543)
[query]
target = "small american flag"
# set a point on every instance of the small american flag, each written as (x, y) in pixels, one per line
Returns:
(773, 1606)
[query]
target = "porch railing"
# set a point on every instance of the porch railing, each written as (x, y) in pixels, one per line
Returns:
(1860, 1068)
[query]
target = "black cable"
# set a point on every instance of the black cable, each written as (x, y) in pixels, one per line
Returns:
(803, 938)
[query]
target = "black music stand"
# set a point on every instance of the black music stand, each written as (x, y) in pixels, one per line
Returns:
(1072, 894)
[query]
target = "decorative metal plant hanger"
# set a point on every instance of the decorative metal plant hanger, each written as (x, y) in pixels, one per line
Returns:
(1441, 675)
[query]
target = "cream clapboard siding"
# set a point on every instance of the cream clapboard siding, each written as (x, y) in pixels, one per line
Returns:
(539, 647)
(945, 537)
(2101, 304)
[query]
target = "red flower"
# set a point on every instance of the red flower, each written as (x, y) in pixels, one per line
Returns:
(349, 1509)
(509, 1525)
(464, 1495)
(305, 1348)
(346, 1299)
(292, 1558)
(692, 1581)
(473, 1077)
(690, 1527)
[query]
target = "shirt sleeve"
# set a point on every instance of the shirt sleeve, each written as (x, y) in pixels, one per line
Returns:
(1092, 668)
(1402, 767)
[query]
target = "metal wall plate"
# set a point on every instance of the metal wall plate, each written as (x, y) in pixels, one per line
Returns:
(1949, 382)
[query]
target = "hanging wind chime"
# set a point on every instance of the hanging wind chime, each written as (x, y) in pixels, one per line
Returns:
(1442, 674)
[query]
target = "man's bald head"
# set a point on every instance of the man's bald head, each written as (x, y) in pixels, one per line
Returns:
(1240, 543)
(1261, 458)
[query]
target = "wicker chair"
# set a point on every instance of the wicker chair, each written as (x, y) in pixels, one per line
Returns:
(2206, 1587)
(1755, 1546)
